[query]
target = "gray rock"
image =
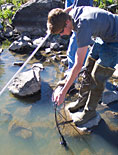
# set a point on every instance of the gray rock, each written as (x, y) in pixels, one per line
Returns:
(32, 16)
(109, 96)
(26, 83)
(36, 42)
(8, 32)
(23, 44)
(54, 46)
(115, 74)
(47, 51)
(1, 50)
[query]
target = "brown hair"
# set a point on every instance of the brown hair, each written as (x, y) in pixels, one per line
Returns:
(57, 20)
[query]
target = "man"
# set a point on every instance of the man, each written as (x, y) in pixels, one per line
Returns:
(88, 22)
(73, 43)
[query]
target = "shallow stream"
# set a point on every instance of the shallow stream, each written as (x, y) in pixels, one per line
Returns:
(27, 126)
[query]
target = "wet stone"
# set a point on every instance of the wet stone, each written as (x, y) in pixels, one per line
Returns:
(65, 61)
(115, 74)
(62, 56)
(18, 63)
(47, 51)
(109, 97)
(23, 111)
(111, 119)
(54, 46)
(1, 50)
(5, 116)
(25, 134)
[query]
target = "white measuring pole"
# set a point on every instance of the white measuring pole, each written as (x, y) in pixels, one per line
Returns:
(29, 58)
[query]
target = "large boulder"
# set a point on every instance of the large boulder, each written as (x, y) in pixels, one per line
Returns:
(27, 83)
(32, 16)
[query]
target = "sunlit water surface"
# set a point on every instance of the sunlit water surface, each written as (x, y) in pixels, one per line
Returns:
(37, 114)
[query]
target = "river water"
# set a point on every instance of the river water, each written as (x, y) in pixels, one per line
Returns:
(27, 125)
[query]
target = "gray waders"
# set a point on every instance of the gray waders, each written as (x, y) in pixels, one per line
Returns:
(85, 86)
(99, 75)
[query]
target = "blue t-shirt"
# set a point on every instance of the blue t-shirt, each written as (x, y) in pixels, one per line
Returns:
(78, 3)
(94, 22)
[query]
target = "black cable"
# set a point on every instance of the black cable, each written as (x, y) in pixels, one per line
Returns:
(62, 140)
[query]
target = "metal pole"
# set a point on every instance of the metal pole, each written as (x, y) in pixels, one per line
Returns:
(29, 58)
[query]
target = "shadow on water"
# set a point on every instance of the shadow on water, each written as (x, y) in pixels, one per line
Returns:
(110, 136)
(113, 106)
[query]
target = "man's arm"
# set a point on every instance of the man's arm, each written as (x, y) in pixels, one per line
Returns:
(79, 59)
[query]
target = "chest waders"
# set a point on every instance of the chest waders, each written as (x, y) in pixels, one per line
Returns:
(99, 76)
(85, 86)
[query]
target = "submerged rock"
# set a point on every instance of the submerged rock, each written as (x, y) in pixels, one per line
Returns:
(5, 115)
(20, 128)
(25, 134)
(23, 112)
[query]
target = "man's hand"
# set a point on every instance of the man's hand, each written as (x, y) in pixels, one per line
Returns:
(58, 97)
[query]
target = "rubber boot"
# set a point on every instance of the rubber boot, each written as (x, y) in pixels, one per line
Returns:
(100, 75)
(85, 86)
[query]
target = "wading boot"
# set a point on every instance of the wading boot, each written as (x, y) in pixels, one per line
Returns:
(85, 86)
(100, 75)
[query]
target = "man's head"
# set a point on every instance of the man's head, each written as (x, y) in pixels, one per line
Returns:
(58, 20)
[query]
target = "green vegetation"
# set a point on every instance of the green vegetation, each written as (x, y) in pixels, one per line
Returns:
(104, 3)
(5, 44)
(13, 1)
(7, 13)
